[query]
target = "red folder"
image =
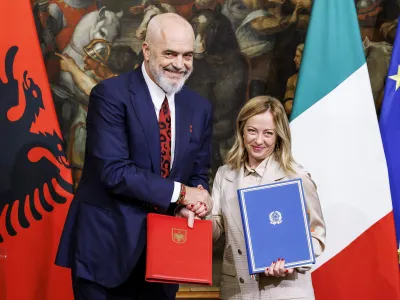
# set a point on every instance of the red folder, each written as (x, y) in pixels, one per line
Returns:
(177, 253)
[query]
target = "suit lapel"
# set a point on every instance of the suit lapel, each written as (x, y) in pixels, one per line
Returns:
(182, 129)
(144, 108)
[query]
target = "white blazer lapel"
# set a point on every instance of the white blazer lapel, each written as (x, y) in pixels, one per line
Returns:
(235, 182)
(273, 172)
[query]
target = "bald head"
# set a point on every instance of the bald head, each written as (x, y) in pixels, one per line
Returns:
(168, 51)
(168, 25)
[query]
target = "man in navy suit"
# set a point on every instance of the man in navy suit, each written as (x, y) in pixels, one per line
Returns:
(148, 148)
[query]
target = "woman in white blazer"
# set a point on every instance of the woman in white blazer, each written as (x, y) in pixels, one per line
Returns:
(261, 154)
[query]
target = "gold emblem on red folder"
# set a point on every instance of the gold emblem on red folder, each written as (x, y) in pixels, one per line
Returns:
(179, 235)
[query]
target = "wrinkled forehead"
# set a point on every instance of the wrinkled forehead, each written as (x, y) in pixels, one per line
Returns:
(178, 39)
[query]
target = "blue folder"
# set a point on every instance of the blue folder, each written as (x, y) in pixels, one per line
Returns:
(276, 225)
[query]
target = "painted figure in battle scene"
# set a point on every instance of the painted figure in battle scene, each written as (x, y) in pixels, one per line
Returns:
(184, 8)
(102, 24)
(65, 15)
(221, 74)
(292, 81)
(101, 61)
(377, 43)
(388, 30)
(258, 33)
(86, 60)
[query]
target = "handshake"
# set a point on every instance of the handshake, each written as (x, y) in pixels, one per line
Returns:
(196, 204)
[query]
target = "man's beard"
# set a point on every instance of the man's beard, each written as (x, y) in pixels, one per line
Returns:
(163, 82)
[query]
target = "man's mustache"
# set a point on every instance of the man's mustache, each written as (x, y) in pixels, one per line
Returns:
(172, 69)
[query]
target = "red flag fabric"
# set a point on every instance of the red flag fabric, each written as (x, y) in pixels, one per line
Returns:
(35, 178)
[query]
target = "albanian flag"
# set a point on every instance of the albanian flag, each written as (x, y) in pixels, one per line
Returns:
(35, 178)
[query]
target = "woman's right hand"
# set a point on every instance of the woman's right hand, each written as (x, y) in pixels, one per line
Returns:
(278, 269)
(201, 209)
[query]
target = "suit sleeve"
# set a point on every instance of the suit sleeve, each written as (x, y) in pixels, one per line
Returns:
(199, 174)
(316, 219)
(107, 146)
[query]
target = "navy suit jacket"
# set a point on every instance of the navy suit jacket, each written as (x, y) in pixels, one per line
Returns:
(105, 230)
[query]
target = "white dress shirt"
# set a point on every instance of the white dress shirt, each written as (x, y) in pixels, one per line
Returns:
(157, 96)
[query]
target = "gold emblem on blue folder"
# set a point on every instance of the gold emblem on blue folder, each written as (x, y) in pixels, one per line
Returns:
(275, 217)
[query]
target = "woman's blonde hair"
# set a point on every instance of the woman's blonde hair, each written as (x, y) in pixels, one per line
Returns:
(283, 149)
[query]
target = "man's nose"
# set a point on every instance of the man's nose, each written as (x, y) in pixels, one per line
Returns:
(178, 62)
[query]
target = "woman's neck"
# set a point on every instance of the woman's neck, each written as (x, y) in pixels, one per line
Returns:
(254, 163)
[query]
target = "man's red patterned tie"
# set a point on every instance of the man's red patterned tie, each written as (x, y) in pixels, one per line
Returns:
(164, 124)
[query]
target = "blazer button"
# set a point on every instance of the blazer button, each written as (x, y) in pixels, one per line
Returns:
(240, 252)
(241, 280)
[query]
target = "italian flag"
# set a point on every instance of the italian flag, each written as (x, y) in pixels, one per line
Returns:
(336, 138)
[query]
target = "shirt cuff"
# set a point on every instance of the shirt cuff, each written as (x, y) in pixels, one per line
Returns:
(177, 190)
